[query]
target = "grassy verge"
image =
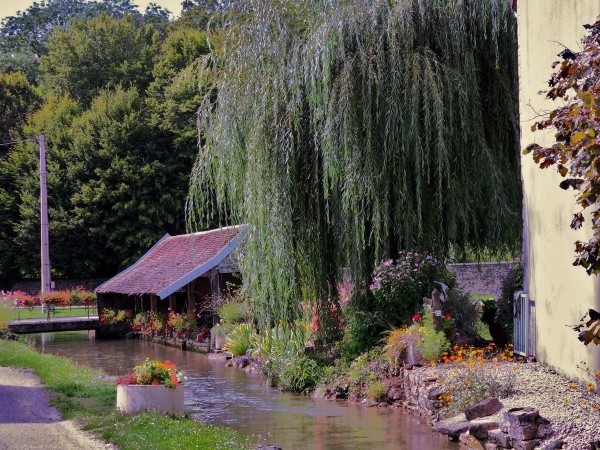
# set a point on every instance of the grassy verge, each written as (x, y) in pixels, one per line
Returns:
(79, 395)
(36, 313)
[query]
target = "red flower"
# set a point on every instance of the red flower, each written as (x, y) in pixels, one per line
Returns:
(416, 317)
(155, 383)
(447, 316)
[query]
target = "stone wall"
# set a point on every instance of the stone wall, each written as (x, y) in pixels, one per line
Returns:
(475, 278)
(32, 287)
(479, 278)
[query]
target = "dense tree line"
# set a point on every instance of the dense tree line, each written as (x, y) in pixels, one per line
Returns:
(115, 92)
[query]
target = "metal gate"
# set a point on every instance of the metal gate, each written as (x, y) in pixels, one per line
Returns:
(521, 323)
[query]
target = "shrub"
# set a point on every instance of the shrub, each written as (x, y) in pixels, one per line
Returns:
(240, 340)
(512, 282)
(300, 374)
(231, 312)
(432, 343)
(399, 287)
(475, 375)
(377, 391)
(398, 341)
(361, 333)
(463, 311)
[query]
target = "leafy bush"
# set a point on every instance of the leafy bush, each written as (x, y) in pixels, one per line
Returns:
(399, 287)
(240, 340)
(300, 374)
(433, 343)
(463, 311)
(512, 282)
(377, 391)
(475, 375)
(361, 333)
(231, 312)
(398, 341)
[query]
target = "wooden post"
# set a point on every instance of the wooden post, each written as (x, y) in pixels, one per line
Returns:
(191, 297)
(138, 304)
(436, 306)
(215, 292)
(153, 302)
(173, 302)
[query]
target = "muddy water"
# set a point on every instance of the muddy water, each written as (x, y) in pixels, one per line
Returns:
(226, 396)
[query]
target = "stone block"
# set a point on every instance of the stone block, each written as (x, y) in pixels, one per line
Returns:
(434, 392)
(544, 428)
(523, 432)
(521, 416)
(490, 446)
(525, 445)
(453, 426)
(552, 444)
(484, 408)
(470, 442)
(480, 427)
(499, 438)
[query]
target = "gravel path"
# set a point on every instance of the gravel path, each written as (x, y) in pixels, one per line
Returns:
(573, 411)
(28, 422)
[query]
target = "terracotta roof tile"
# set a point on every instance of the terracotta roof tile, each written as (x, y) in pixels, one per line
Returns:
(171, 260)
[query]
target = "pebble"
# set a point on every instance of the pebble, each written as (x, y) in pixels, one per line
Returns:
(575, 420)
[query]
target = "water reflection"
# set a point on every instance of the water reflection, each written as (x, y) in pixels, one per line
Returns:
(226, 396)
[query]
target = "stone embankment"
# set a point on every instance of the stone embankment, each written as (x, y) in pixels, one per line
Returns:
(547, 411)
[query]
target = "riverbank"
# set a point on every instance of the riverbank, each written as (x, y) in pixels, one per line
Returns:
(572, 410)
(81, 398)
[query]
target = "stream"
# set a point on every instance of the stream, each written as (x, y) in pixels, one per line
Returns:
(226, 396)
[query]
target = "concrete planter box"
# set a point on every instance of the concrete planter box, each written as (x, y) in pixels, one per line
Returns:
(132, 399)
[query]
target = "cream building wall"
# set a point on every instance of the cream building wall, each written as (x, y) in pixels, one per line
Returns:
(559, 293)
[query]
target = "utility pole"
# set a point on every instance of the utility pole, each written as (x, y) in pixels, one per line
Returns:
(44, 217)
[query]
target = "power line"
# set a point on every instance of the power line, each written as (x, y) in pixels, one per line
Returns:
(18, 142)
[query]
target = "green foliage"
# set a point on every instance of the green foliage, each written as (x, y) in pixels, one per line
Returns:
(18, 98)
(433, 343)
(24, 36)
(377, 391)
(174, 96)
(360, 333)
(400, 286)
(240, 340)
(398, 341)
(575, 152)
(300, 374)
(344, 132)
(113, 190)
(222, 329)
(463, 312)
(148, 431)
(360, 371)
(475, 375)
(511, 283)
(99, 53)
(231, 312)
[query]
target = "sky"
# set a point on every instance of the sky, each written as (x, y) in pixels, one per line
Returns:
(10, 7)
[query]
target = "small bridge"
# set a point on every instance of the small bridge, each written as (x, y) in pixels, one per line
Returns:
(44, 325)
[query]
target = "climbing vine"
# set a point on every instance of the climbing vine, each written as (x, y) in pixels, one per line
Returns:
(575, 152)
(345, 131)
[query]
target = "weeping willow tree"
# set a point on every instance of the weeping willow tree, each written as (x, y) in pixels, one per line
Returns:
(342, 131)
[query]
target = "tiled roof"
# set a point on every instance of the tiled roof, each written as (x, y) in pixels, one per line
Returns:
(173, 262)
